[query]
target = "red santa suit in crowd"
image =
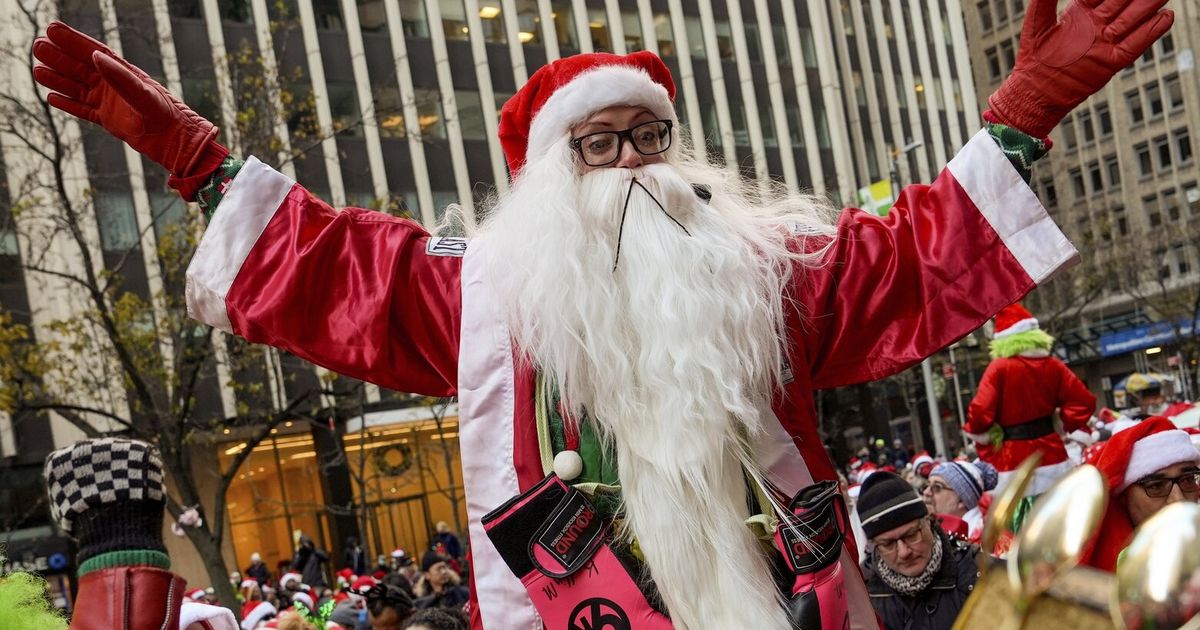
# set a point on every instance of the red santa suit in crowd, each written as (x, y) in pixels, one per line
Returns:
(754, 307)
(1018, 396)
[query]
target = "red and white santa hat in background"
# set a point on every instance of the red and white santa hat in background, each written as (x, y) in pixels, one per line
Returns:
(923, 461)
(565, 92)
(194, 595)
(363, 584)
(256, 613)
(1013, 319)
(290, 577)
(1133, 454)
(305, 599)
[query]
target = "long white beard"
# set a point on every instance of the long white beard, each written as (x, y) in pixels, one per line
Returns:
(673, 355)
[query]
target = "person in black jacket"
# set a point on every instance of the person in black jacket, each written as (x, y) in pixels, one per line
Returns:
(258, 570)
(917, 576)
(309, 562)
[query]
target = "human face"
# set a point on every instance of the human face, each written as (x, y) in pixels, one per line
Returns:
(907, 548)
(438, 574)
(941, 499)
(618, 118)
(1142, 506)
(1152, 403)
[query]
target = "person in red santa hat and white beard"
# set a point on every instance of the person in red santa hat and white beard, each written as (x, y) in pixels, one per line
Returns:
(642, 324)
(1013, 413)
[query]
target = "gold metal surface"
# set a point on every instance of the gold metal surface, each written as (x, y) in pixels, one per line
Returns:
(1001, 511)
(1158, 578)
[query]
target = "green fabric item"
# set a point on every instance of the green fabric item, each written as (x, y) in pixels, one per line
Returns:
(125, 558)
(599, 466)
(1020, 513)
(210, 196)
(1020, 149)
(1013, 345)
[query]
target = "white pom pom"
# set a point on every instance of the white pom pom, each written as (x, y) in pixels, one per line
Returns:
(568, 465)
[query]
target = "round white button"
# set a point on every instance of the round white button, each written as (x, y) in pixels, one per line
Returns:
(568, 465)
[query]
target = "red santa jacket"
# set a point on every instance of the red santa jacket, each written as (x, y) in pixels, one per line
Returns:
(378, 299)
(1016, 391)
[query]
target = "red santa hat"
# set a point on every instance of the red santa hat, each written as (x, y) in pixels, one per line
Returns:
(249, 583)
(1013, 319)
(923, 464)
(363, 584)
(195, 595)
(290, 577)
(565, 92)
(1133, 454)
(254, 612)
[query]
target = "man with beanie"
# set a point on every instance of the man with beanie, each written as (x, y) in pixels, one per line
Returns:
(1148, 467)
(955, 488)
(107, 494)
(630, 325)
(918, 577)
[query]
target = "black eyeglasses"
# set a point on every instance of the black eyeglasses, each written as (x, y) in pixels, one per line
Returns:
(604, 147)
(1159, 487)
(911, 538)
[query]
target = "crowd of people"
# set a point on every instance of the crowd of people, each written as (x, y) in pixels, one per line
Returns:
(396, 592)
(918, 519)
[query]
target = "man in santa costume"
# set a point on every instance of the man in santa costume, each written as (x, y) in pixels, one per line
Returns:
(638, 322)
(1148, 466)
(1012, 415)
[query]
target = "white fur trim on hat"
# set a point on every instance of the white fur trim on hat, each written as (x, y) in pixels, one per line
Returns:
(194, 616)
(1157, 451)
(257, 614)
(590, 92)
(1025, 325)
(303, 597)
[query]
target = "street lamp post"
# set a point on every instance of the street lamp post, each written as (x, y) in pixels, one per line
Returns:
(935, 414)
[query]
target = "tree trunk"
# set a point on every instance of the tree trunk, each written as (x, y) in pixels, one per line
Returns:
(214, 563)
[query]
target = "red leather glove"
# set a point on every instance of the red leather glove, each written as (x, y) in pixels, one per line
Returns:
(1065, 60)
(88, 80)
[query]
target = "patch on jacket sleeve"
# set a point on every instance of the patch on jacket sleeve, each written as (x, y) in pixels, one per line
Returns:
(446, 246)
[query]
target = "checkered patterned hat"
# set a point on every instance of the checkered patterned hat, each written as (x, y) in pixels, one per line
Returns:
(100, 471)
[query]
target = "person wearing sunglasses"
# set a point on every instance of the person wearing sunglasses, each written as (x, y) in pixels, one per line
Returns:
(917, 575)
(955, 489)
(1148, 466)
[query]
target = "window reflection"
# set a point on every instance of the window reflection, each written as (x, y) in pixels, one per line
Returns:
(470, 114)
(454, 20)
(664, 34)
(429, 113)
(413, 18)
(564, 23)
(389, 111)
(529, 22)
(492, 22)
(372, 15)
(632, 27)
(598, 28)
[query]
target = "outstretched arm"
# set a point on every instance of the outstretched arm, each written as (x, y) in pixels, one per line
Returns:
(951, 254)
(358, 292)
